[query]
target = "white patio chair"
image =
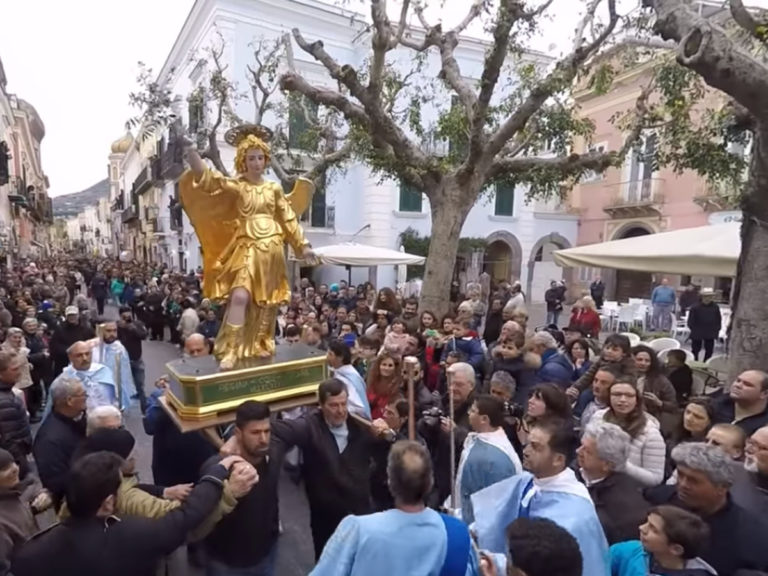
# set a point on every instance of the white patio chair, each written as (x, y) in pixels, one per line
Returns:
(718, 364)
(641, 317)
(626, 317)
(634, 339)
(660, 344)
(700, 379)
(680, 330)
(663, 355)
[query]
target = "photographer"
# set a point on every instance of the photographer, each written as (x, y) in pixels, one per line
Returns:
(503, 387)
(435, 426)
(130, 333)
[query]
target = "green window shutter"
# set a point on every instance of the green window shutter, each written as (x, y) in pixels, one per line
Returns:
(410, 199)
(505, 200)
(298, 126)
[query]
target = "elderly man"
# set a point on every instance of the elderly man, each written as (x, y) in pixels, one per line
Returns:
(705, 475)
(618, 498)
(663, 300)
(437, 432)
(60, 434)
(555, 367)
(746, 405)
(110, 352)
(104, 417)
(409, 539)
(756, 467)
(195, 345)
(65, 335)
(98, 379)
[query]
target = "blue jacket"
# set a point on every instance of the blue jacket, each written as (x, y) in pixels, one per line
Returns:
(555, 369)
(472, 348)
(663, 295)
(630, 559)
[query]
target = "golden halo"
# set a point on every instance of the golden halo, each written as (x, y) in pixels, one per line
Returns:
(235, 135)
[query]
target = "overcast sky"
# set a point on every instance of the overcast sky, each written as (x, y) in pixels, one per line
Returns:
(76, 62)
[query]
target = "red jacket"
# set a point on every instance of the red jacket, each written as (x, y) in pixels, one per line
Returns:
(588, 320)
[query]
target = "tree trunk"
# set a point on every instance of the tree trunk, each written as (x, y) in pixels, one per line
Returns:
(449, 211)
(749, 327)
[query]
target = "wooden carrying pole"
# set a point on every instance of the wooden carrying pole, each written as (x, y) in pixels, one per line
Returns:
(449, 375)
(411, 365)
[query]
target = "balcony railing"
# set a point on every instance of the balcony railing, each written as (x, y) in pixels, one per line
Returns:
(18, 191)
(635, 199)
(130, 214)
(143, 181)
(172, 161)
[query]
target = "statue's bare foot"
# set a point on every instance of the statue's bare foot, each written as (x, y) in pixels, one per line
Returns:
(264, 355)
(227, 363)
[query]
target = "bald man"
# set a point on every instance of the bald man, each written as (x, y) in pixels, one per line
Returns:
(746, 405)
(195, 345)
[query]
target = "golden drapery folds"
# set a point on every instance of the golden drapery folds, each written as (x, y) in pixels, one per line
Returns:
(242, 229)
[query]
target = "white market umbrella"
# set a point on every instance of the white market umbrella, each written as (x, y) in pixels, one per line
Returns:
(702, 251)
(353, 254)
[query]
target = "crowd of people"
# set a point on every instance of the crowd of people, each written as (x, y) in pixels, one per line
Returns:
(558, 451)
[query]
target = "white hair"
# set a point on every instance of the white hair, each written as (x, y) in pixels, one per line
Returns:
(545, 339)
(612, 443)
(464, 369)
(64, 387)
(99, 416)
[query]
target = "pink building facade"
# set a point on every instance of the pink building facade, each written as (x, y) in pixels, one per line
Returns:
(635, 199)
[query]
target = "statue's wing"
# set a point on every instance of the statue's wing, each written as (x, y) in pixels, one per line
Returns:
(301, 196)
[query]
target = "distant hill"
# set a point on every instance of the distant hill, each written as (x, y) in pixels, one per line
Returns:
(71, 204)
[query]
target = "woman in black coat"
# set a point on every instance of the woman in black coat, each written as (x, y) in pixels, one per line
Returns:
(705, 323)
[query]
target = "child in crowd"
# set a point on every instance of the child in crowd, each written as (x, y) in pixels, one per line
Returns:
(670, 542)
(397, 338)
(466, 343)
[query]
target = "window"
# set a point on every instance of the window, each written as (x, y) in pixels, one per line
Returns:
(196, 111)
(316, 214)
(642, 164)
(505, 200)
(410, 198)
(301, 119)
(586, 274)
(591, 176)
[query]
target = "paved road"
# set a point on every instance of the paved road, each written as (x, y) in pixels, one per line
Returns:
(296, 553)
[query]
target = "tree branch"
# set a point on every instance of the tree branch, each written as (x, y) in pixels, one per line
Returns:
(563, 74)
(744, 19)
(474, 11)
(574, 164)
(380, 44)
(708, 50)
(402, 25)
(293, 82)
(328, 160)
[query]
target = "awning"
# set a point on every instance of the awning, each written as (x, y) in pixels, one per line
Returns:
(352, 254)
(702, 251)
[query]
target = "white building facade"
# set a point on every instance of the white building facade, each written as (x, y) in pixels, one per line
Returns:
(355, 205)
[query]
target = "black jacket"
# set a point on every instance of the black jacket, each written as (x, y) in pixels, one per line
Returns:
(131, 335)
(99, 286)
(725, 413)
(620, 507)
(705, 321)
(244, 537)
(15, 434)
(55, 444)
(337, 484)
(130, 546)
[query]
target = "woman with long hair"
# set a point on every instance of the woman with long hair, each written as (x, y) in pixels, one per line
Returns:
(546, 401)
(387, 300)
(647, 451)
(585, 316)
(384, 379)
(658, 393)
(695, 421)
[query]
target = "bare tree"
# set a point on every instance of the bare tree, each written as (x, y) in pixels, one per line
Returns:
(495, 142)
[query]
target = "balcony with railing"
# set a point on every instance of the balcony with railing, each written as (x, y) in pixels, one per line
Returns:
(718, 198)
(636, 199)
(143, 181)
(171, 161)
(18, 191)
(130, 214)
(117, 205)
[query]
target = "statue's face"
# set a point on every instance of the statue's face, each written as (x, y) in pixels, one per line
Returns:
(255, 162)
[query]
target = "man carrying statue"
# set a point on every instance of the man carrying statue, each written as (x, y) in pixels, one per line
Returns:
(243, 223)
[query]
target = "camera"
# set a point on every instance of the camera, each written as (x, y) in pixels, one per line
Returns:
(513, 410)
(432, 416)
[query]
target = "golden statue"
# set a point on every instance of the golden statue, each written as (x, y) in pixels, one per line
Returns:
(243, 224)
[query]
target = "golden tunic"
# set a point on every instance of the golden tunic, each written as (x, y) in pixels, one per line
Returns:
(242, 229)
